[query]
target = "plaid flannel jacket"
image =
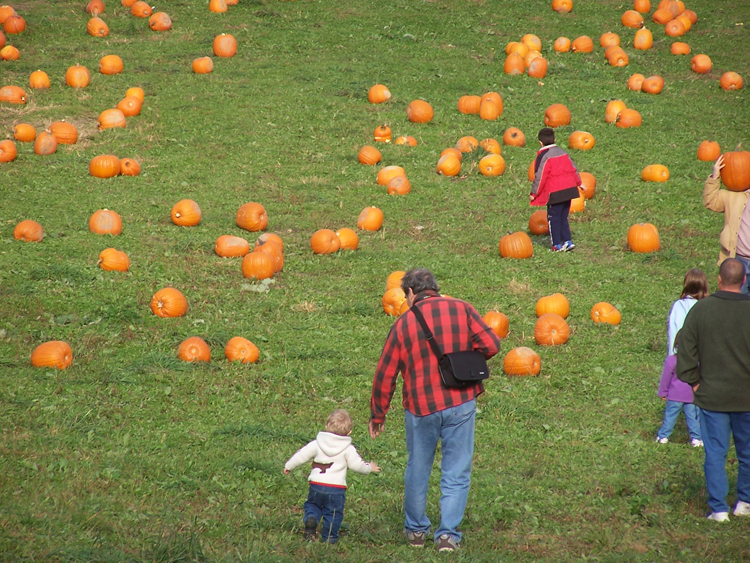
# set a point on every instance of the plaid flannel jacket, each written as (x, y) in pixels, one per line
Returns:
(457, 327)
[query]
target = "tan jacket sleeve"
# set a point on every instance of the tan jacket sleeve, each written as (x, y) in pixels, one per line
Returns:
(714, 198)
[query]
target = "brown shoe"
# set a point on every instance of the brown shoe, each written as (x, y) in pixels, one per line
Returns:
(446, 544)
(416, 539)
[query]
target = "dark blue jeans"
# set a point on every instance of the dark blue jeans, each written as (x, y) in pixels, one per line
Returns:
(327, 503)
(557, 217)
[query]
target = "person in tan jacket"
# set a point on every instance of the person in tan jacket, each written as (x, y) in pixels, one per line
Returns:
(735, 237)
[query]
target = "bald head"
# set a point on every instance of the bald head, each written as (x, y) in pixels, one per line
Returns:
(731, 275)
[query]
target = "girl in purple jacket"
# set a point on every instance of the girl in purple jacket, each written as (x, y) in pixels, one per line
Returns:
(679, 397)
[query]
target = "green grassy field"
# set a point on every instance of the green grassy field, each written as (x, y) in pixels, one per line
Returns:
(132, 455)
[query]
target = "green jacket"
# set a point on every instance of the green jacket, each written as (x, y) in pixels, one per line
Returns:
(713, 349)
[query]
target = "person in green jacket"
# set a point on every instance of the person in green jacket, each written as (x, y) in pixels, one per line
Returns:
(714, 359)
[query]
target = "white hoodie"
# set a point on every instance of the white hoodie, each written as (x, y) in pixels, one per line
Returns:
(329, 448)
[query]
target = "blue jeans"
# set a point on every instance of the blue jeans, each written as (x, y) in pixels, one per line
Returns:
(746, 263)
(328, 503)
(454, 428)
(672, 411)
(717, 428)
(557, 219)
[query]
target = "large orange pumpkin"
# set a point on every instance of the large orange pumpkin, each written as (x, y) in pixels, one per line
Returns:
(387, 173)
(467, 144)
(53, 354)
(169, 302)
(551, 330)
(498, 322)
(612, 110)
(370, 219)
(141, 9)
(400, 185)
(653, 85)
(130, 106)
(469, 104)
(629, 118)
(45, 144)
(522, 361)
(217, 6)
(514, 137)
(28, 231)
(8, 151)
(643, 237)
(110, 118)
(492, 165)
(736, 172)
(538, 224)
(538, 68)
(186, 213)
(489, 110)
(701, 64)
(562, 6)
(491, 146)
(258, 265)
(419, 111)
(516, 245)
(562, 45)
(680, 48)
(581, 140)
(14, 24)
(240, 349)
(113, 260)
(604, 312)
(252, 217)
(324, 241)
(160, 21)
(643, 39)
(262, 239)
(77, 76)
(655, 173)
(582, 44)
(556, 115)
(382, 134)
(556, 303)
(97, 27)
(405, 140)
(194, 349)
(105, 166)
(378, 94)
(633, 19)
(229, 246)
(514, 65)
(38, 79)
(274, 251)
(105, 222)
(203, 65)
(392, 301)
(369, 155)
(348, 239)
(24, 133)
(225, 45)
(731, 81)
(449, 165)
(65, 133)
(12, 95)
(110, 64)
(129, 167)
(588, 184)
(635, 82)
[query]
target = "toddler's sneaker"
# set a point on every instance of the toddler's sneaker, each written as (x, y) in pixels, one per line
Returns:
(718, 516)
(742, 508)
(697, 443)
(568, 245)
(558, 248)
(661, 440)
(311, 529)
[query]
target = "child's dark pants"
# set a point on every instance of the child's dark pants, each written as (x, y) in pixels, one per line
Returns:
(557, 218)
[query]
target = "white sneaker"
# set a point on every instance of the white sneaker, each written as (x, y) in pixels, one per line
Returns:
(719, 516)
(661, 440)
(696, 443)
(742, 508)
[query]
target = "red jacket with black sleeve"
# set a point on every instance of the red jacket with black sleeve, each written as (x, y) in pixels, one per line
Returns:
(556, 178)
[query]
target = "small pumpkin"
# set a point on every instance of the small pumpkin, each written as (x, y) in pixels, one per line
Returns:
(169, 302)
(582, 44)
(141, 9)
(262, 239)
(736, 172)
(39, 80)
(129, 167)
(240, 349)
(489, 110)
(217, 6)
(578, 204)
(97, 27)
(538, 224)
(495, 98)
(95, 7)
(588, 184)
(562, 45)
(516, 245)
(14, 24)
(378, 94)
(382, 134)
(252, 217)
(709, 151)
(538, 68)
(387, 173)
(618, 57)
(517, 48)
(454, 151)
(655, 173)
(562, 6)
(635, 82)
(105, 222)
(370, 219)
(348, 239)
(105, 166)
(604, 312)
(65, 133)
(12, 95)
(653, 85)
(632, 19)
(186, 213)
(45, 144)
(136, 91)
(469, 104)
(392, 301)
(449, 165)
(556, 303)
(419, 111)
(609, 39)
(557, 115)
(662, 16)
(731, 81)
(369, 155)
(274, 251)
(522, 361)
(324, 241)
(203, 65)
(258, 265)
(110, 64)
(128, 3)
(629, 118)
(194, 349)
(229, 246)
(10, 53)
(498, 322)
(642, 6)
(467, 143)
(113, 260)
(514, 65)
(8, 151)
(28, 231)
(701, 64)
(130, 106)
(691, 15)
(6, 12)
(225, 45)
(643, 39)
(160, 21)
(492, 165)
(394, 279)
(613, 109)
(491, 146)
(643, 237)
(52, 354)
(77, 76)
(675, 28)
(405, 140)
(514, 137)
(400, 185)
(551, 330)
(110, 118)
(532, 42)
(24, 133)
(581, 140)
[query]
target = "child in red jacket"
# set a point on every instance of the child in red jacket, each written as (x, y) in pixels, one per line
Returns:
(556, 182)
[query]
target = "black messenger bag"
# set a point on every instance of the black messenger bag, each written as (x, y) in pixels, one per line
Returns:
(457, 369)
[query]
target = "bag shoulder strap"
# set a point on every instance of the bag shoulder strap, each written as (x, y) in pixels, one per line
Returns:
(428, 333)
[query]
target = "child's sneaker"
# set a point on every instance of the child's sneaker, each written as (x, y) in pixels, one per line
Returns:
(742, 508)
(661, 440)
(696, 443)
(718, 516)
(311, 529)
(557, 248)
(568, 245)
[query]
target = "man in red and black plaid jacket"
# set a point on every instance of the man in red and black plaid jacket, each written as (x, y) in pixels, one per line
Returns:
(432, 411)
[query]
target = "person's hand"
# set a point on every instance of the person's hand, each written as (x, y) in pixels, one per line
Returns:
(375, 467)
(718, 165)
(663, 398)
(286, 471)
(695, 388)
(375, 428)
(531, 197)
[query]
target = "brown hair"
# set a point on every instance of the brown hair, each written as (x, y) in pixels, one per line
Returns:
(339, 422)
(732, 272)
(695, 284)
(547, 136)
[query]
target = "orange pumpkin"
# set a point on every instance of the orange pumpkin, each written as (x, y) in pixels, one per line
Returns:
(194, 349)
(105, 222)
(491, 146)
(736, 172)
(262, 239)
(516, 245)
(77, 76)
(489, 110)
(449, 165)
(387, 173)
(562, 6)
(370, 219)
(97, 27)
(392, 301)
(186, 213)
(378, 94)
(582, 44)
(45, 144)
(643, 39)
(228, 246)
(141, 9)
(556, 115)
(348, 239)
(613, 109)
(217, 6)
(538, 224)
(514, 64)
(498, 322)
(400, 185)
(258, 265)
(562, 45)
(701, 64)
(113, 260)
(604, 312)
(136, 91)
(588, 184)
(517, 48)
(128, 3)
(382, 134)
(675, 28)
(24, 133)
(617, 57)
(14, 24)
(642, 6)
(105, 166)
(581, 140)
(556, 303)
(709, 151)
(578, 204)
(252, 217)
(492, 165)
(629, 118)
(110, 118)
(632, 19)
(369, 155)
(130, 106)
(10, 53)
(662, 16)
(469, 104)
(39, 80)
(532, 42)
(225, 45)
(454, 151)
(53, 354)
(635, 82)
(12, 95)
(160, 21)
(467, 143)
(609, 39)
(28, 231)
(551, 330)
(129, 167)
(6, 12)
(538, 68)
(8, 151)
(394, 279)
(110, 64)
(643, 237)
(324, 241)
(405, 140)
(655, 173)
(203, 65)
(169, 302)
(653, 85)
(731, 81)
(240, 349)
(274, 251)
(522, 361)
(65, 133)
(691, 15)
(419, 111)
(514, 137)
